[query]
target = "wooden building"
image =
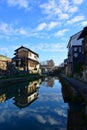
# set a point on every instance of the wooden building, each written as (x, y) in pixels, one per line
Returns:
(26, 59)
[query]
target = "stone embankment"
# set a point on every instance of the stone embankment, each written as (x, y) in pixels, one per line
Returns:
(77, 86)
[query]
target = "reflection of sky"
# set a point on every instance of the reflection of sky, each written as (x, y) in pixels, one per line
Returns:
(48, 112)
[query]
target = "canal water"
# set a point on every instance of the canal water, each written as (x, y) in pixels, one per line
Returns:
(36, 105)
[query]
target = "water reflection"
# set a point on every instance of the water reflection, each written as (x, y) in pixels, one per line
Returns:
(46, 112)
(77, 116)
(27, 95)
(48, 81)
(77, 112)
(23, 94)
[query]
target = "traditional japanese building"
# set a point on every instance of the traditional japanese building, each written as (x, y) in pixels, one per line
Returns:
(75, 56)
(83, 37)
(26, 59)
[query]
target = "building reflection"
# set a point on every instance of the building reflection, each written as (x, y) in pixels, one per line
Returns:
(77, 113)
(2, 97)
(77, 116)
(26, 97)
(48, 81)
(23, 94)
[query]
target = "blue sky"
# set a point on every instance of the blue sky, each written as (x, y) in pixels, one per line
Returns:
(44, 26)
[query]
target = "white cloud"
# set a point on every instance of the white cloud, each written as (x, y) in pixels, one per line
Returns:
(8, 29)
(52, 8)
(64, 16)
(46, 119)
(5, 49)
(73, 9)
(20, 3)
(22, 31)
(84, 23)
(47, 26)
(22, 113)
(52, 97)
(76, 19)
(61, 32)
(12, 31)
(40, 119)
(62, 9)
(77, 1)
(41, 26)
(52, 121)
(52, 47)
(48, 7)
(52, 25)
(5, 28)
(61, 112)
(64, 4)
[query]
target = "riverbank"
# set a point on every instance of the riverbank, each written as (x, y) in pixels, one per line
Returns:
(18, 79)
(78, 87)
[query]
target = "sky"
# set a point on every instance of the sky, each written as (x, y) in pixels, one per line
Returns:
(44, 26)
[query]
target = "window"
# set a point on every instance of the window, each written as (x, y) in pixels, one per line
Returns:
(75, 55)
(79, 49)
(75, 48)
(35, 56)
(30, 54)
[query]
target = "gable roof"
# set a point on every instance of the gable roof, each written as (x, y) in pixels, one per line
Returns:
(83, 33)
(26, 49)
(74, 40)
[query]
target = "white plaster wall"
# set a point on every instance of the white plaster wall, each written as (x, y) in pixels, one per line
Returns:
(32, 57)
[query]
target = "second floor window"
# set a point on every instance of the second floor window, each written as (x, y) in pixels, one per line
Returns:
(75, 48)
(75, 55)
(30, 54)
(35, 56)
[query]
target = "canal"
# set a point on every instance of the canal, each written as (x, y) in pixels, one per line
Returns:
(39, 105)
